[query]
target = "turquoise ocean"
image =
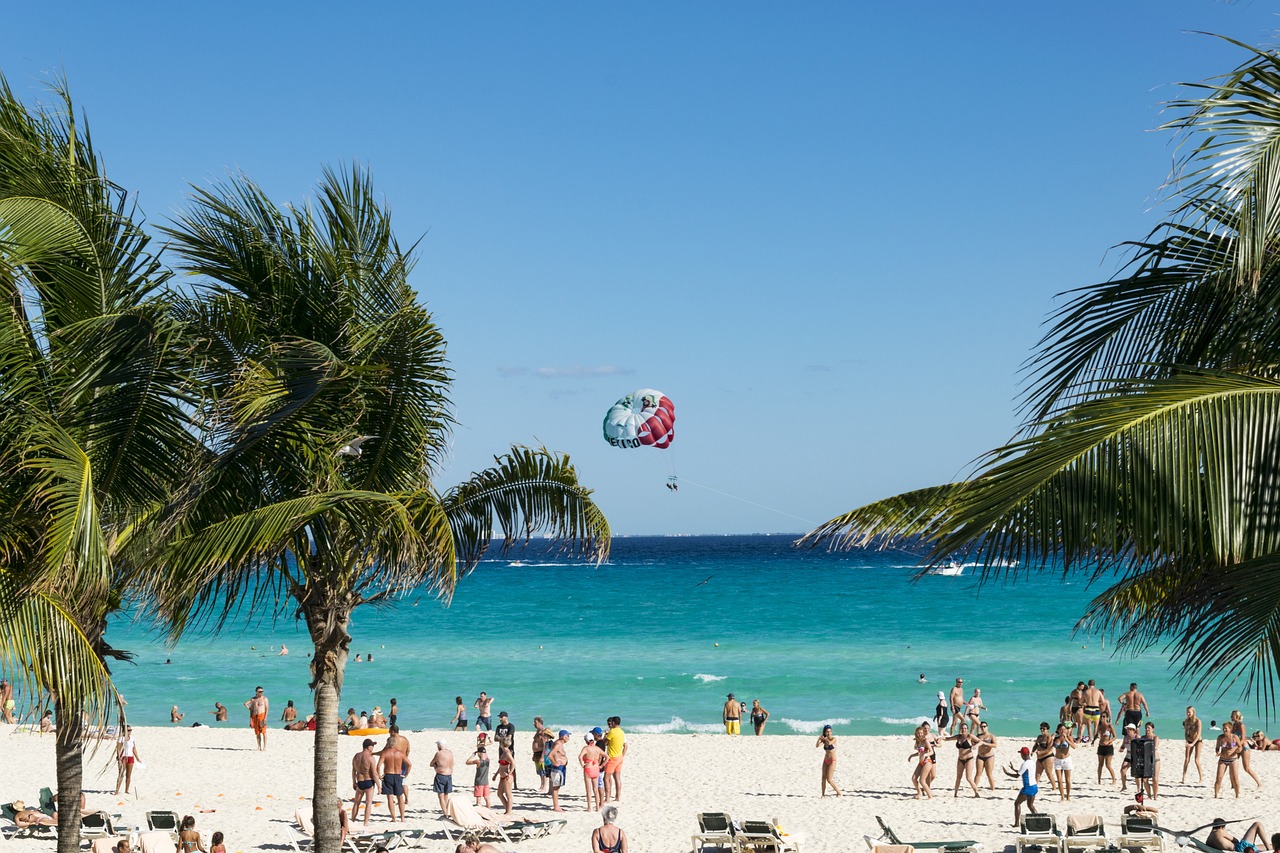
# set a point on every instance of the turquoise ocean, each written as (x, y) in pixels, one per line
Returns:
(666, 628)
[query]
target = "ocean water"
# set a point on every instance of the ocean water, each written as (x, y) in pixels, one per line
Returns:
(663, 631)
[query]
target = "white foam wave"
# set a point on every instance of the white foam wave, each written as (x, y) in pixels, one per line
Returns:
(905, 721)
(678, 726)
(812, 727)
(709, 679)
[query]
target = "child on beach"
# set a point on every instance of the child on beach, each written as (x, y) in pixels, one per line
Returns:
(217, 845)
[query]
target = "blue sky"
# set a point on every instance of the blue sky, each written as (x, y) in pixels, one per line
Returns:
(830, 232)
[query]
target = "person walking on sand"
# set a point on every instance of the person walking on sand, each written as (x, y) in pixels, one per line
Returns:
(759, 716)
(442, 764)
(1133, 705)
(259, 706)
(480, 790)
(393, 766)
(615, 751)
(1026, 775)
(827, 742)
(731, 716)
(364, 778)
(126, 757)
(609, 838)
(1242, 734)
(459, 720)
(558, 767)
(482, 705)
(592, 760)
(956, 698)
(1193, 734)
(924, 755)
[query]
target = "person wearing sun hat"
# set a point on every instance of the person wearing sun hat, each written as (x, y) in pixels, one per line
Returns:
(1026, 775)
(732, 716)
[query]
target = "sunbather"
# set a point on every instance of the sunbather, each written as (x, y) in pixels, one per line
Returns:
(24, 817)
(1253, 837)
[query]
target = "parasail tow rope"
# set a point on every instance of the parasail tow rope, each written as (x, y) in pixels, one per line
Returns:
(745, 501)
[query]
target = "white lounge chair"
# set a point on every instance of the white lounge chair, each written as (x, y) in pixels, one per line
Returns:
(464, 817)
(1038, 833)
(1084, 833)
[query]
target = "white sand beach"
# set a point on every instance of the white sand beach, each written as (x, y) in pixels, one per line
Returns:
(218, 776)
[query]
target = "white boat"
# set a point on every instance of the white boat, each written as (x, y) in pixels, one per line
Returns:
(950, 569)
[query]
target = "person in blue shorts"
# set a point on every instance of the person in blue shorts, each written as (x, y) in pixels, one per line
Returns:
(1026, 775)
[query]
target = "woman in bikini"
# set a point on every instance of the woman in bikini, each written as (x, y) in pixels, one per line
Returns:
(591, 758)
(1192, 732)
(1043, 749)
(460, 716)
(759, 716)
(188, 839)
(922, 752)
(1242, 735)
(1151, 785)
(827, 741)
(1106, 738)
(1228, 750)
(964, 759)
(609, 838)
(986, 756)
(1062, 745)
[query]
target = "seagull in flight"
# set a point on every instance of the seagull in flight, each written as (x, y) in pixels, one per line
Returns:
(704, 583)
(352, 448)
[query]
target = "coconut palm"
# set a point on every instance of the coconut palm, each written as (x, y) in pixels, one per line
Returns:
(1153, 430)
(328, 419)
(92, 431)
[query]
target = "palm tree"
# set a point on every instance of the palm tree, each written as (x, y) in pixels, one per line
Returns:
(1152, 439)
(92, 432)
(327, 420)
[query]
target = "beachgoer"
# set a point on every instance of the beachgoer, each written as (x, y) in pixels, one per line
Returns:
(615, 753)
(592, 760)
(219, 712)
(731, 716)
(956, 698)
(1090, 712)
(1228, 749)
(400, 742)
(1043, 747)
(1133, 705)
(1246, 746)
(1191, 732)
(442, 764)
(1150, 785)
(1067, 713)
(364, 779)
(46, 722)
(393, 766)
(126, 757)
(290, 713)
(7, 704)
(393, 712)
(608, 838)
(259, 706)
(344, 825)
(986, 758)
(504, 733)
(352, 721)
(942, 712)
(472, 844)
(965, 761)
(975, 707)
(188, 839)
(1025, 774)
(1253, 837)
(363, 722)
(459, 720)
(24, 817)
(1258, 741)
(1063, 743)
(482, 705)
(1106, 741)
(175, 716)
(759, 716)
(603, 745)
(922, 679)
(377, 719)
(923, 753)
(540, 737)
(218, 843)
(506, 775)
(1127, 747)
(480, 790)
(559, 767)
(827, 742)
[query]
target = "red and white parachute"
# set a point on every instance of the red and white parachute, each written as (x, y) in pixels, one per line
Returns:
(645, 418)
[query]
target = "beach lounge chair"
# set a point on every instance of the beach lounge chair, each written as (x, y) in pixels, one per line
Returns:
(715, 829)
(1084, 833)
(10, 814)
(1038, 833)
(163, 822)
(760, 836)
(356, 842)
(464, 817)
(1138, 834)
(1189, 843)
(47, 803)
(947, 846)
(155, 842)
(298, 841)
(96, 825)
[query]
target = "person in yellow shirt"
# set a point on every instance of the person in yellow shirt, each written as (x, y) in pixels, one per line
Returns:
(615, 751)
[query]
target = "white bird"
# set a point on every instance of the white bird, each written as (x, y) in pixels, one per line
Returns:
(352, 448)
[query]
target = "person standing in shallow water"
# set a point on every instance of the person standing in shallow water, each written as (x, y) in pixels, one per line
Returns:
(732, 716)
(827, 741)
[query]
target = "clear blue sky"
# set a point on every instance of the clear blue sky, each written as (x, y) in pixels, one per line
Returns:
(828, 231)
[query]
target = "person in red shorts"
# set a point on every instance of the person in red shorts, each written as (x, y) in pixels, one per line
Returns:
(259, 707)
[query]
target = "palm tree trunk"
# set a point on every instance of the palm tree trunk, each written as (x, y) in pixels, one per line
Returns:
(328, 627)
(69, 750)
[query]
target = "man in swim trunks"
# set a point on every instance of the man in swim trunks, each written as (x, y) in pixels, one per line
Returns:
(482, 706)
(615, 751)
(400, 742)
(219, 712)
(559, 767)
(393, 766)
(956, 698)
(1090, 712)
(1254, 837)
(364, 777)
(731, 716)
(259, 707)
(442, 763)
(540, 737)
(1133, 705)
(1026, 775)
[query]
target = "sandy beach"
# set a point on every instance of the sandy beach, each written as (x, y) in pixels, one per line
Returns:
(668, 779)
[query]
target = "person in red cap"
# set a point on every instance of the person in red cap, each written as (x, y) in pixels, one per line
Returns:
(1027, 794)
